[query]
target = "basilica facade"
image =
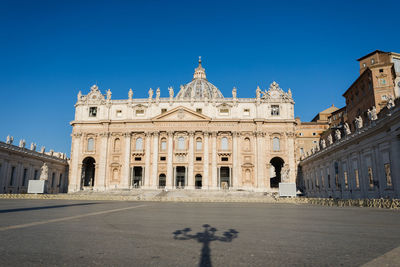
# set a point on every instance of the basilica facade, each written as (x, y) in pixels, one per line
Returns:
(195, 139)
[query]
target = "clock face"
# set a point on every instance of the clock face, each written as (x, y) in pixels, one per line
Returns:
(274, 94)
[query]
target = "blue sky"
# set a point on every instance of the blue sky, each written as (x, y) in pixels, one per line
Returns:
(49, 50)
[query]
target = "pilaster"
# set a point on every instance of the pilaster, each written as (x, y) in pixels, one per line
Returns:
(100, 179)
(214, 171)
(191, 161)
(205, 182)
(126, 166)
(147, 161)
(155, 160)
(169, 160)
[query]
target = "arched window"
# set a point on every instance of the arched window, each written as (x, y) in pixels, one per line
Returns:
(90, 144)
(199, 144)
(181, 143)
(275, 144)
(247, 144)
(139, 143)
(224, 143)
(163, 144)
(117, 144)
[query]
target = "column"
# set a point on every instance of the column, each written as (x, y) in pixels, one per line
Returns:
(74, 179)
(126, 167)
(394, 166)
(100, 176)
(292, 164)
(170, 169)
(147, 161)
(155, 160)
(205, 161)
(260, 160)
(267, 149)
(214, 171)
(256, 154)
(235, 165)
(191, 161)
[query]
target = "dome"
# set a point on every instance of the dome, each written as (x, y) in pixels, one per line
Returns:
(199, 87)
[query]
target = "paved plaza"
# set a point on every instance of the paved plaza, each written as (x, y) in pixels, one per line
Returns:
(62, 232)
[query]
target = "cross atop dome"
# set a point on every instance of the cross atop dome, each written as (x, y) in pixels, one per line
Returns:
(199, 72)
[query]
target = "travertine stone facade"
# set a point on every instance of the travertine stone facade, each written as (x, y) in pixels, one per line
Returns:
(19, 164)
(361, 164)
(196, 139)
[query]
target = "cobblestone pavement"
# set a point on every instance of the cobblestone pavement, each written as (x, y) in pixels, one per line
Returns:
(118, 233)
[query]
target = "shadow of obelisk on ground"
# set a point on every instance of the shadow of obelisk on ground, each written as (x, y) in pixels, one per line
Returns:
(205, 237)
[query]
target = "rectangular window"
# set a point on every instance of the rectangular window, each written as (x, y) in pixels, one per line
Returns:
(35, 175)
(199, 110)
(163, 110)
(59, 181)
(119, 114)
(301, 151)
(198, 158)
(24, 177)
(12, 176)
(139, 112)
(92, 111)
(357, 178)
(163, 158)
(224, 111)
(371, 178)
(246, 112)
(346, 180)
(138, 158)
(199, 145)
(388, 175)
(275, 110)
(224, 159)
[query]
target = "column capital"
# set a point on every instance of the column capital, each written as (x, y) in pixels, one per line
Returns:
(214, 133)
(236, 133)
(104, 134)
(290, 134)
(206, 133)
(76, 134)
(258, 133)
(156, 134)
(170, 133)
(191, 133)
(148, 133)
(127, 134)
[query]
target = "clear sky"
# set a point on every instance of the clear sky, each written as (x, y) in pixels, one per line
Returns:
(49, 50)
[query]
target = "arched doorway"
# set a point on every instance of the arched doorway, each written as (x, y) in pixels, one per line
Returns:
(276, 168)
(88, 172)
(198, 181)
(162, 180)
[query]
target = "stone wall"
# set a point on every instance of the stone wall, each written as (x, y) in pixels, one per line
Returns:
(19, 164)
(361, 165)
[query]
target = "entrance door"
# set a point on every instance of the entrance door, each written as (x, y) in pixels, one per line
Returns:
(198, 181)
(137, 177)
(88, 169)
(162, 180)
(180, 177)
(224, 177)
(275, 177)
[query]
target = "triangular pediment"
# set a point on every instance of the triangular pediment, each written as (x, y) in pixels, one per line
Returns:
(181, 114)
